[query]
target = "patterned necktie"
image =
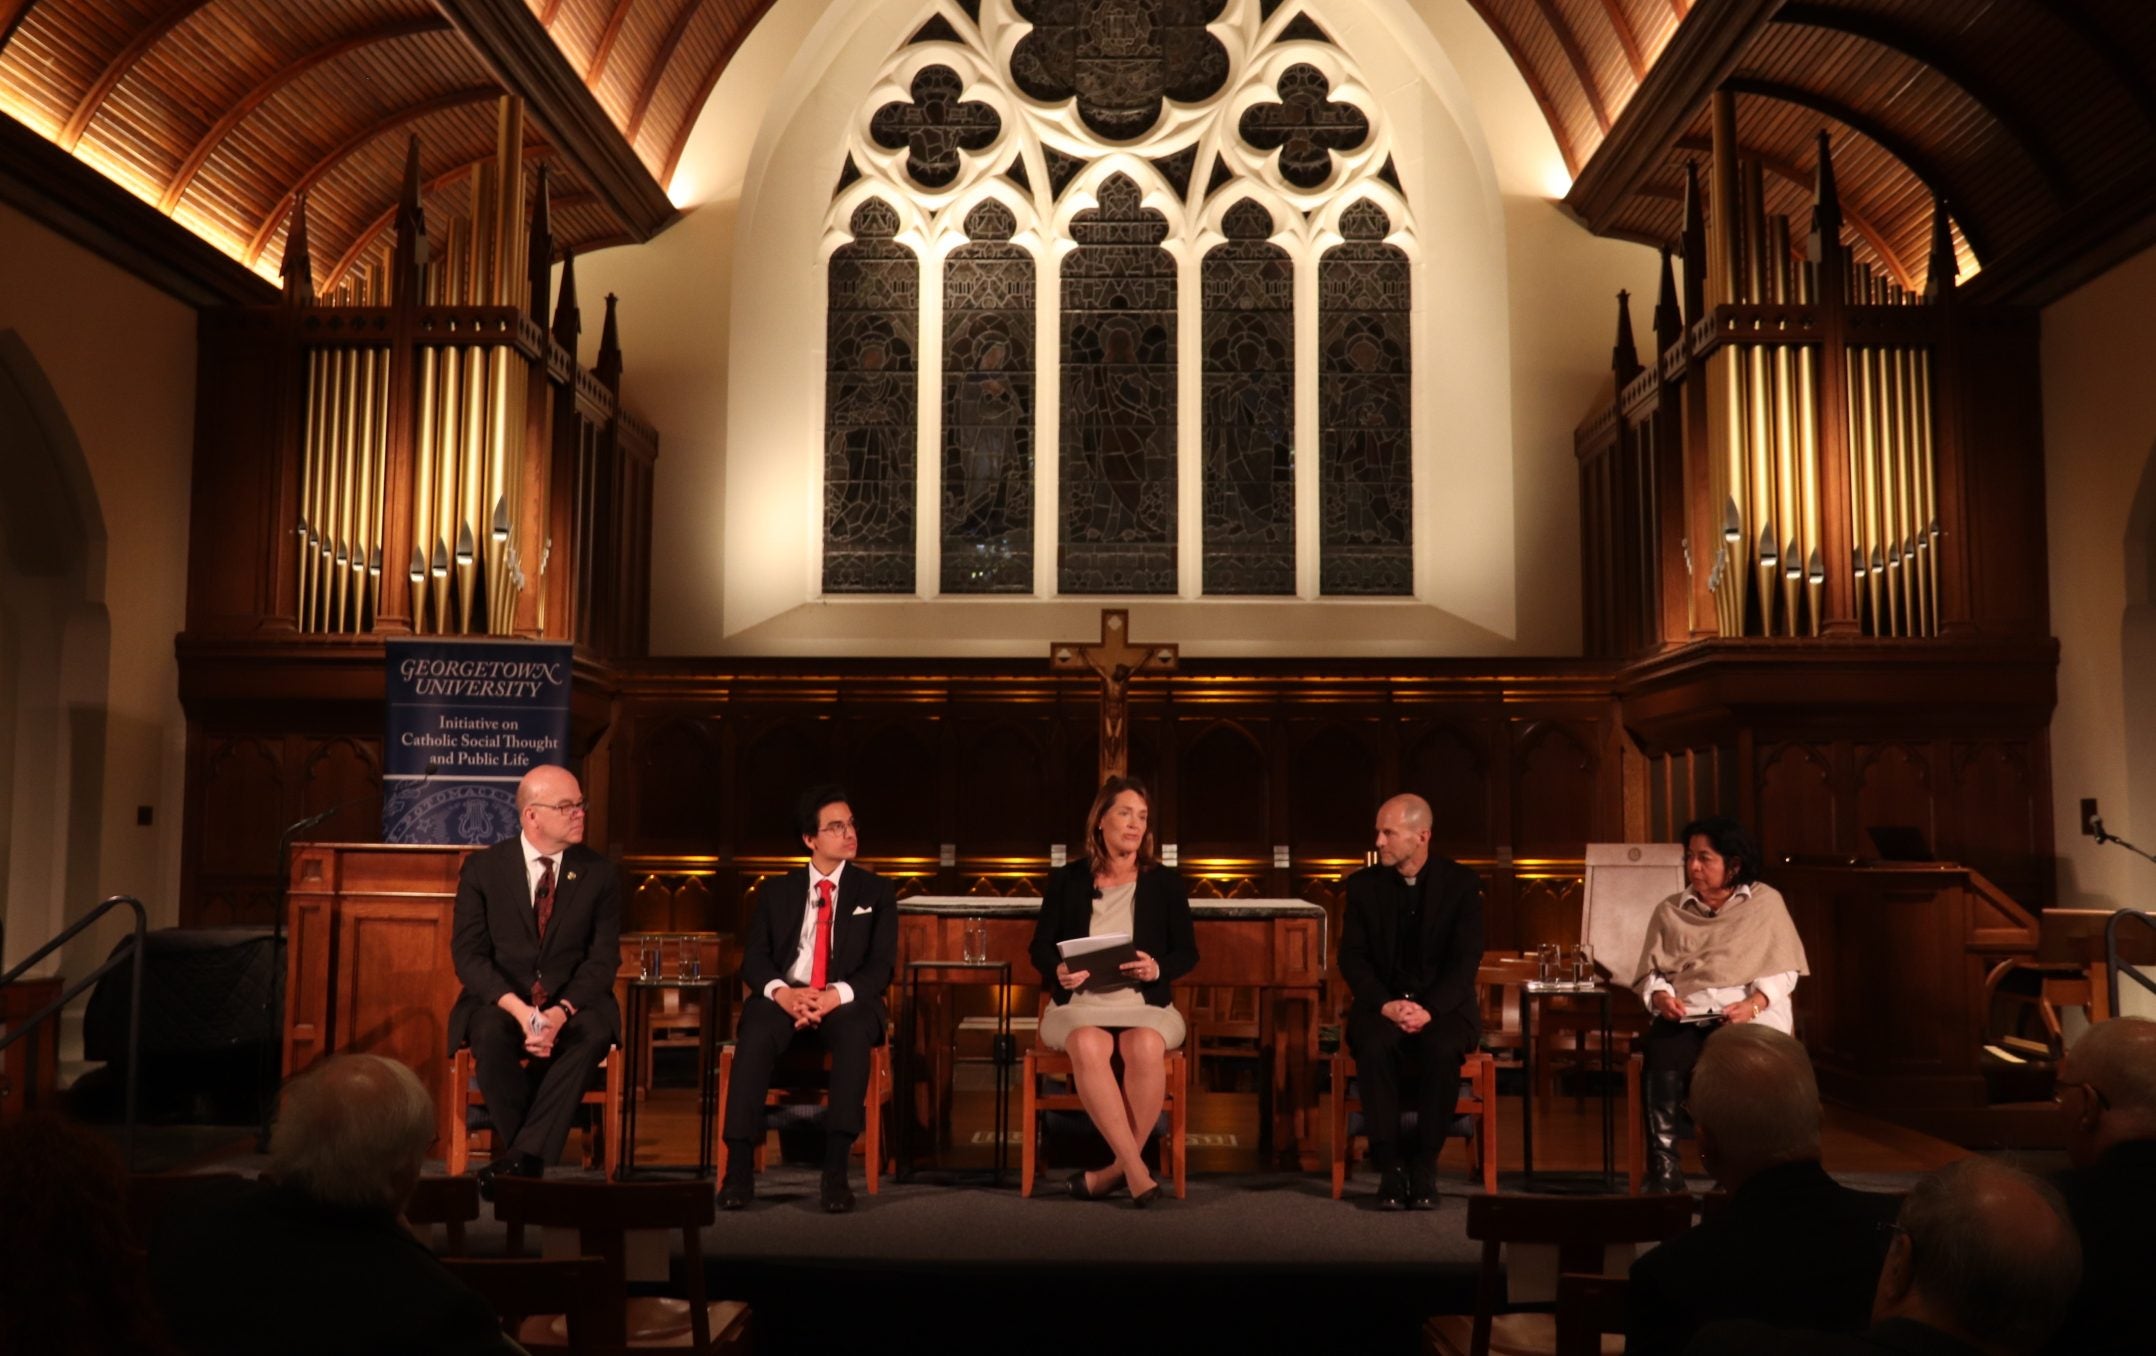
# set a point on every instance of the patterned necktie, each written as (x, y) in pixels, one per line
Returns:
(823, 935)
(543, 906)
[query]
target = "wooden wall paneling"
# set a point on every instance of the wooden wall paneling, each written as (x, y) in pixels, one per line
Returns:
(347, 772)
(1993, 822)
(1895, 785)
(1546, 908)
(1448, 763)
(1333, 786)
(1800, 808)
(1994, 393)
(892, 764)
(1501, 929)
(776, 755)
(1223, 774)
(1001, 804)
(674, 793)
(1556, 788)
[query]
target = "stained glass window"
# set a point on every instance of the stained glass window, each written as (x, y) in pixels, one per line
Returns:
(1120, 58)
(1118, 427)
(1365, 456)
(988, 387)
(1249, 423)
(869, 409)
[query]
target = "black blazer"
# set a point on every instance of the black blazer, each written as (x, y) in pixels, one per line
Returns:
(864, 932)
(1792, 1248)
(1447, 949)
(494, 939)
(1160, 926)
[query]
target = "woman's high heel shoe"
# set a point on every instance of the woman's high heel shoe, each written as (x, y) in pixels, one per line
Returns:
(1142, 1199)
(1081, 1192)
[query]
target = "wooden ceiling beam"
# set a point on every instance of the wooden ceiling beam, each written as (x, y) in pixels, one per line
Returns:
(199, 154)
(11, 17)
(336, 155)
(1535, 87)
(656, 73)
(116, 70)
(1886, 138)
(605, 46)
(50, 186)
(1788, 171)
(2001, 108)
(360, 242)
(1568, 42)
(1626, 37)
(2114, 56)
(710, 80)
(516, 47)
(1699, 56)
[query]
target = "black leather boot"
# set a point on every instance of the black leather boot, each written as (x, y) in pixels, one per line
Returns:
(1665, 1102)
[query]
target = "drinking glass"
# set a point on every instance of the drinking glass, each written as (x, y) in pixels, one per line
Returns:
(976, 939)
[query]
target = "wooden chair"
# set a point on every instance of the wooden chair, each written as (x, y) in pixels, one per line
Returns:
(451, 1202)
(573, 1290)
(1580, 1227)
(797, 1091)
(1589, 1309)
(1040, 1063)
(464, 1092)
(603, 1214)
(1477, 1105)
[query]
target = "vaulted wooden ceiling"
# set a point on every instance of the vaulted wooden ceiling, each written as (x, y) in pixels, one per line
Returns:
(2034, 119)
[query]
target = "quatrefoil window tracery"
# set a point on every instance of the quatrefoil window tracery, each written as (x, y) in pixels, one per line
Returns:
(1120, 58)
(1305, 126)
(935, 127)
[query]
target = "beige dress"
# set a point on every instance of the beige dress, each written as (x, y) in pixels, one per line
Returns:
(1120, 1007)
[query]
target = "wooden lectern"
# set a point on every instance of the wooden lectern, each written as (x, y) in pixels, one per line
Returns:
(367, 964)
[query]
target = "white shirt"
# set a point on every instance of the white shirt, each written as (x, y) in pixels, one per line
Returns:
(1776, 988)
(804, 966)
(532, 868)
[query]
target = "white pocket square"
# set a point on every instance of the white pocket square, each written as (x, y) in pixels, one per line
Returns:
(865, 908)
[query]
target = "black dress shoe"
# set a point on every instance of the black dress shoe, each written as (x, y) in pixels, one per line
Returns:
(1421, 1188)
(1392, 1190)
(1080, 1191)
(508, 1165)
(1142, 1199)
(736, 1194)
(837, 1194)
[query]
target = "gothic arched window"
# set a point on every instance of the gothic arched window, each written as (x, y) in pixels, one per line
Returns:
(1114, 222)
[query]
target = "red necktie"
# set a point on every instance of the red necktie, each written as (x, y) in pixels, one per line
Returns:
(543, 906)
(823, 934)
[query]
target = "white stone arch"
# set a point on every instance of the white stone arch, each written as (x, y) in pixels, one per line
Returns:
(54, 668)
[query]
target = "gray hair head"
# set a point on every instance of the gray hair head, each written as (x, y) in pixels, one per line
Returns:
(1992, 1251)
(1754, 1096)
(352, 1132)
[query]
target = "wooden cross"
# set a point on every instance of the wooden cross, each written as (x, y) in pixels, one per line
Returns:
(1115, 660)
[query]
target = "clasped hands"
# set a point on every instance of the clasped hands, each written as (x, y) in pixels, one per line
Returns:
(1407, 1014)
(1144, 969)
(807, 1006)
(539, 1027)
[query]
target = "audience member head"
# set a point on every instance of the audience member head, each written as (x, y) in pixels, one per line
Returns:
(550, 807)
(1755, 1103)
(1731, 846)
(1138, 803)
(70, 1277)
(1985, 1253)
(2107, 1087)
(1403, 833)
(352, 1132)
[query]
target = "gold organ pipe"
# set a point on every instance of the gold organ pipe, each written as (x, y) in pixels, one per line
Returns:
(340, 496)
(1928, 498)
(309, 449)
(363, 473)
(1813, 558)
(423, 485)
(444, 538)
(1912, 569)
(471, 489)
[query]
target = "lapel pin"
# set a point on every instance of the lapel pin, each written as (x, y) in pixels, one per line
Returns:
(570, 876)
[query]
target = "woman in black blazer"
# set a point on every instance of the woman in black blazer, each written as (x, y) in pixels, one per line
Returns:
(1117, 885)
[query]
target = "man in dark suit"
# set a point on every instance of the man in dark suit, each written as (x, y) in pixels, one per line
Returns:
(1983, 1263)
(1409, 954)
(1792, 1247)
(817, 958)
(536, 942)
(313, 1257)
(2107, 1097)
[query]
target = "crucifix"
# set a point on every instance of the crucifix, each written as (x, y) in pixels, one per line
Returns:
(1115, 660)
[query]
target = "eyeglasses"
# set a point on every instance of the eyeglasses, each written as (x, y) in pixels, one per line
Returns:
(837, 826)
(2059, 1088)
(567, 807)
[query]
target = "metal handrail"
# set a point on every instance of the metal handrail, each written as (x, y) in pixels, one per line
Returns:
(132, 950)
(2111, 954)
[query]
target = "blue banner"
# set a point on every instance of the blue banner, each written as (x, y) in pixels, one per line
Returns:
(467, 719)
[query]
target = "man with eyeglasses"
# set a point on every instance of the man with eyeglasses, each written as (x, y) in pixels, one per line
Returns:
(2106, 1092)
(536, 942)
(820, 949)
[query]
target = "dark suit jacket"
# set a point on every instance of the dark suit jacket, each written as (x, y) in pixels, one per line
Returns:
(495, 939)
(1891, 1337)
(1159, 926)
(1446, 950)
(1792, 1248)
(268, 1270)
(864, 932)
(2110, 1202)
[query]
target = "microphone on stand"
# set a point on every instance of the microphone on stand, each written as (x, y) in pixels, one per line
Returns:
(2096, 828)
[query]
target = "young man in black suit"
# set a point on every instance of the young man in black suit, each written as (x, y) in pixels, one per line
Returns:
(817, 958)
(536, 941)
(1409, 953)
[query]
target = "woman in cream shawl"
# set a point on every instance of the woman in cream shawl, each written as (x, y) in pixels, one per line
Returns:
(1721, 951)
